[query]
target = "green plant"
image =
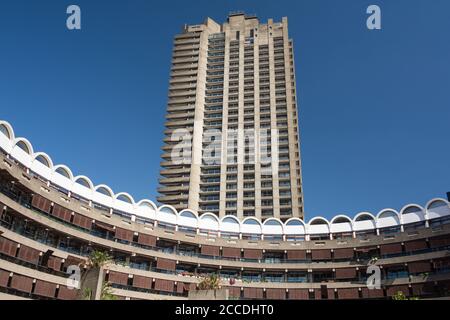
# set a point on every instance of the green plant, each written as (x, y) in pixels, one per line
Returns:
(401, 296)
(87, 294)
(373, 260)
(106, 293)
(211, 282)
(98, 259)
(425, 275)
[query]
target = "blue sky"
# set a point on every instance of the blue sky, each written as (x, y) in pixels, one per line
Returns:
(374, 106)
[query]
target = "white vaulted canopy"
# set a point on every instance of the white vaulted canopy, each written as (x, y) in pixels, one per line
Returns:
(40, 164)
(146, 209)
(364, 221)
(294, 226)
(341, 223)
(209, 221)
(272, 226)
(6, 136)
(167, 214)
(230, 224)
(318, 225)
(188, 218)
(437, 208)
(412, 213)
(388, 218)
(251, 225)
(5, 131)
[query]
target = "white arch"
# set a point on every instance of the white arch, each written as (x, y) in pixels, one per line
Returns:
(166, 213)
(412, 213)
(167, 209)
(42, 164)
(146, 209)
(437, 208)
(295, 226)
(313, 227)
(209, 221)
(65, 179)
(103, 195)
(388, 218)
(21, 155)
(148, 203)
(27, 144)
(364, 221)
(341, 223)
(188, 218)
(251, 225)
(108, 192)
(230, 224)
(65, 169)
(8, 128)
(82, 190)
(188, 214)
(44, 156)
(6, 140)
(77, 179)
(124, 195)
(272, 226)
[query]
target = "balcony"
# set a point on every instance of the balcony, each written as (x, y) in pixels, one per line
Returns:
(180, 180)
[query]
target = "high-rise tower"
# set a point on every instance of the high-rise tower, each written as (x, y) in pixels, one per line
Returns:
(231, 139)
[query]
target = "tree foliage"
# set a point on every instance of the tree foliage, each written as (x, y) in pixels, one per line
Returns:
(211, 282)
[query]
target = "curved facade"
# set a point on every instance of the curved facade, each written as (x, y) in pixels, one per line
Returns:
(52, 219)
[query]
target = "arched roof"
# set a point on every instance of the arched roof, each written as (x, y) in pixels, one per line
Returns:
(62, 177)
(104, 190)
(209, 221)
(294, 226)
(251, 225)
(167, 209)
(272, 226)
(147, 203)
(43, 158)
(230, 219)
(167, 213)
(412, 213)
(388, 218)
(7, 130)
(84, 181)
(125, 197)
(341, 223)
(146, 209)
(64, 171)
(23, 144)
(437, 208)
(187, 218)
(230, 224)
(318, 225)
(188, 214)
(364, 216)
(364, 221)
(6, 136)
(340, 219)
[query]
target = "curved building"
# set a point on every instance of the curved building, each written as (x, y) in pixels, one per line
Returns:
(52, 219)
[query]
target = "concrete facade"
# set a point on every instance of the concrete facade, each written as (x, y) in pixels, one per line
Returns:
(232, 86)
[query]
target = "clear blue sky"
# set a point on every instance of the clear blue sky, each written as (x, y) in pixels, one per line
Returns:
(374, 105)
